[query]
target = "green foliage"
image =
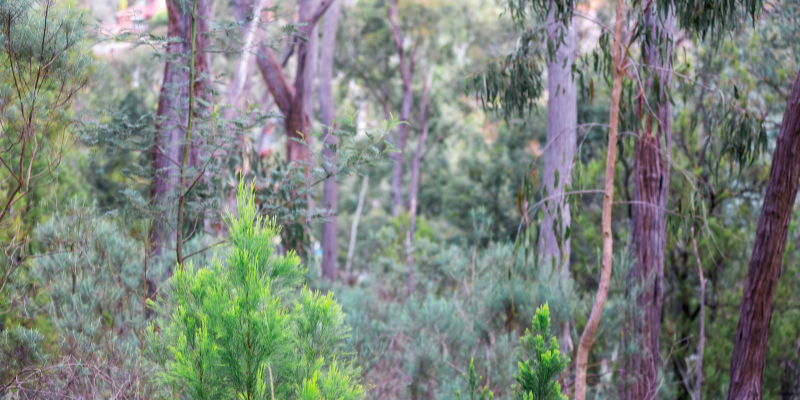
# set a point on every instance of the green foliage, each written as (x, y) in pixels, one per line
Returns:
(473, 385)
(98, 281)
(21, 353)
(710, 15)
(514, 83)
(43, 65)
(233, 332)
(542, 364)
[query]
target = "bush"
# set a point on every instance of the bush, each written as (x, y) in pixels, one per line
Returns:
(243, 330)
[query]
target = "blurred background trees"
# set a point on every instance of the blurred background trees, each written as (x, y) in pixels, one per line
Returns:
(438, 167)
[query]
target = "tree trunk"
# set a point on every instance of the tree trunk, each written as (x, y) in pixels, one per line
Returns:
(413, 187)
(702, 341)
(406, 73)
(752, 333)
(298, 120)
(173, 115)
(562, 123)
(648, 223)
(351, 248)
(238, 88)
(292, 100)
(330, 191)
(587, 338)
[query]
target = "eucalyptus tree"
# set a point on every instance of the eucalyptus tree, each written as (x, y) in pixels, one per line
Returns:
(186, 72)
(330, 189)
(293, 100)
(651, 177)
(752, 333)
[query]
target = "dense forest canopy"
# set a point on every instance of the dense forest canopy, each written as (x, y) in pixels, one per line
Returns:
(399, 199)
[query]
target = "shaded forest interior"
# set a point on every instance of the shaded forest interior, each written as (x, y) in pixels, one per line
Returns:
(400, 199)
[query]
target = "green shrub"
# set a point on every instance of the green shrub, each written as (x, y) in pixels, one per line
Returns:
(243, 330)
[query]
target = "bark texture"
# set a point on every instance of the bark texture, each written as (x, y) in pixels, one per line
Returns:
(587, 337)
(173, 112)
(648, 223)
(752, 332)
(330, 190)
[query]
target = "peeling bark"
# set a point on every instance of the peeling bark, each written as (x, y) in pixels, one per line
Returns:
(648, 223)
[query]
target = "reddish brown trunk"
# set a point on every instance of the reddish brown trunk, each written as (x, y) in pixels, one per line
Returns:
(173, 114)
(752, 333)
(648, 222)
(293, 102)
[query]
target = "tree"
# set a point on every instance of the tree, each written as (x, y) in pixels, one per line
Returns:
(292, 100)
(330, 189)
(173, 115)
(562, 126)
(650, 192)
(245, 330)
(587, 337)
(413, 186)
(44, 65)
(541, 363)
(752, 332)
(407, 64)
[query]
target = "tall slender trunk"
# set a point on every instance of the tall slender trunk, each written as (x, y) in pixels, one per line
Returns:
(351, 248)
(562, 123)
(587, 338)
(292, 100)
(238, 88)
(406, 74)
(173, 114)
(298, 120)
(330, 190)
(698, 386)
(413, 187)
(752, 333)
(648, 223)
(187, 142)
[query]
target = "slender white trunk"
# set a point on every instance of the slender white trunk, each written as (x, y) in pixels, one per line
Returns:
(354, 229)
(562, 122)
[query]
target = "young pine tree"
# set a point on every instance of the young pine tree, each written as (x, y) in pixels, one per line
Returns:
(243, 331)
(540, 364)
(538, 375)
